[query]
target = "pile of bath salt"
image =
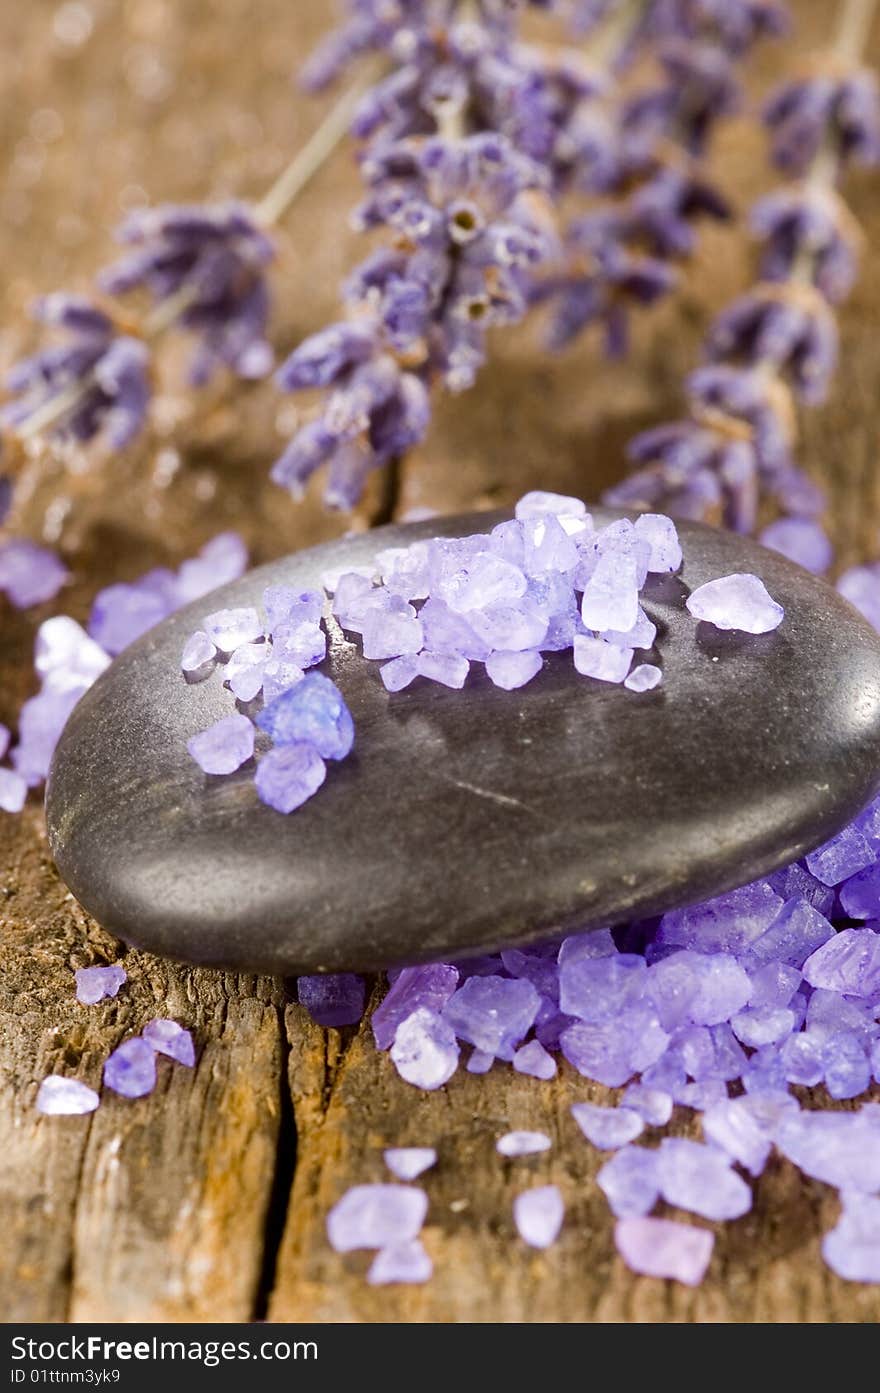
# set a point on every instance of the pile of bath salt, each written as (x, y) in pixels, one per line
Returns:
(69, 658)
(731, 1009)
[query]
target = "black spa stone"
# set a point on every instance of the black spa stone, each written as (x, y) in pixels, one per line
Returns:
(466, 820)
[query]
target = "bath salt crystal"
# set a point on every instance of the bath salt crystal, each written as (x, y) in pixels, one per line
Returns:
(482, 581)
(414, 987)
(313, 712)
(399, 672)
(388, 633)
(539, 503)
(546, 546)
(845, 1065)
(376, 1216)
(594, 657)
(289, 776)
(279, 676)
(731, 1125)
(63, 1097)
(171, 1039)
(447, 669)
(728, 923)
(643, 678)
(596, 989)
(131, 1068)
(480, 1062)
(664, 1248)
(493, 1013)
(30, 574)
(607, 1128)
(698, 1178)
(65, 656)
(840, 1148)
(13, 791)
(533, 1059)
(244, 671)
(400, 1262)
(221, 560)
(700, 988)
(796, 932)
(332, 998)
(228, 629)
(223, 747)
(332, 579)
(848, 963)
(860, 894)
(802, 1059)
(538, 1215)
(408, 1162)
(841, 858)
(198, 651)
(425, 1050)
(653, 1105)
(611, 595)
(641, 635)
(629, 1181)
(512, 670)
(763, 1025)
(852, 1247)
(94, 983)
(739, 601)
(661, 535)
(285, 605)
(522, 1144)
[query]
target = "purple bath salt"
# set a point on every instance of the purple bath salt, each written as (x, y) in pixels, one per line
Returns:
(699, 988)
(228, 629)
(289, 776)
(388, 633)
(643, 678)
(732, 1126)
(538, 1215)
(860, 895)
(848, 963)
(512, 670)
(425, 1050)
(448, 669)
(840, 1148)
(594, 657)
(408, 1162)
(376, 1216)
(314, 712)
(699, 1178)
(131, 1069)
(171, 1039)
(653, 1105)
(332, 998)
(533, 1059)
(738, 601)
(796, 932)
(243, 673)
(13, 791)
(400, 1262)
(660, 534)
(763, 1025)
(198, 651)
(842, 857)
(301, 642)
(29, 574)
(607, 1128)
(664, 1248)
(539, 504)
(400, 672)
(62, 1097)
(596, 989)
(225, 746)
(629, 1181)
(430, 987)
(94, 983)
(480, 1062)
(852, 1248)
(845, 1065)
(522, 1144)
(493, 1013)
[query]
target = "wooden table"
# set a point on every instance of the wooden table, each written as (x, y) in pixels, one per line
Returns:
(206, 1201)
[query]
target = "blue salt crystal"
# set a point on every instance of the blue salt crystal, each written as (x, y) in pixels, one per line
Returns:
(376, 1216)
(611, 1051)
(596, 989)
(848, 963)
(197, 653)
(629, 1181)
(763, 1025)
(598, 943)
(852, 1247)
(796, 932)
(773, 984)
(860, 894)
(447, 669)
(765, 1071)
(611, 595)
(480, 1062)
(493, 1013)
(840, 1148)
(732, 1126)
(795, 882)
(484, 580)
(131, 1068)
(228, 629)
(842, 857)
(171, 1039)
(607, 1128)
(533, 1059)
(302, 642)
(285, 605)
(122, 613)
(703, 988)
(661, 535)
(399, 672)
(332, 998)
(738, 601)
(595, 657)
(664, 1248)
(829, 1012)
(430, 986)
(641, 635)
(699, 1179)
(448, 632)
(94, 983)
(729, 923)
(392, 630)
(643, 678)
(409, 1162)
(653, 1105)
(539, 503)
(538, 1215)
(244, 671)
(512, 670)
(510, 626)
(546, 546)
(278, 677)
(400, 1262)
(314, 711)
(539, 969)
(289, 775)
(223, 747)
(63, 1097)
(425, 1050)
(846, 1065)
(803, 1059)
(519, 1143)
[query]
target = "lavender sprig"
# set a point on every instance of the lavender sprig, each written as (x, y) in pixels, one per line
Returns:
(776, 344)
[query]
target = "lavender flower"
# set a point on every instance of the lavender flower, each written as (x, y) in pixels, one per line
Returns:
(110, 367)
(801, 222)
(787, 327)
(214, 259)
(844, 110)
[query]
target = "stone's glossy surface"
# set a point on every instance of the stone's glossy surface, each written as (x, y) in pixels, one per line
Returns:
(468, 819)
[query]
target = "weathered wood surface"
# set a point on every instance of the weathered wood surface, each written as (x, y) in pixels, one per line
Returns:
(189, 1205)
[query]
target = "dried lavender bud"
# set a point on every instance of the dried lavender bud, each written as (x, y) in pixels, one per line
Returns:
(803, 225)
(110, 368)
(789, 328)
(213, 257)
(802, 114)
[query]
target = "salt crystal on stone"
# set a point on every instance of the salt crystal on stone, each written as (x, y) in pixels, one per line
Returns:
(703, 988)
(852, 1248)
(848, 963)
(332, 998)
(643, 678)
(408, 1162)
(400, 1262)
(430, 987)
(842, 857)
(538, 1215)
(131, 1068)
(860, 894)
(170, 1039)
(607, 1128)
(425, 1050)
(732, 1126)
(376, 1216)
(522, 1144)
(512, 670)
(738, 601)
(284, 605)
(660, 534)
(698, 1178)
(228, 629)
(654, 1105)
(289, 776)
(840, 1148)
(29, 574)
(538, 503)
(533, 1059)
(594, 657)
(388, 633)
(399, 672)
(641, 635)
(728, 923)
(448, 669)
(314, 711)
(629, 1181)
(302, 643)
(546, 546)
(664, 1248)
(795, 882)
(493, 1013)
(197, 653)
(65, 656)
(279, 676)
(796, 932)
(511, 627)
(13, 791)
(223, 747)
(244, 671)
(611, 596)
(94, 983)
(63, 1097)
(446, 632)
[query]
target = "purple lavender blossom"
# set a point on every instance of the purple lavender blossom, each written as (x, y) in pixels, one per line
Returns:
(214, 257)
(109, 367)
(802, 114)
(799, 223)
(785, 327)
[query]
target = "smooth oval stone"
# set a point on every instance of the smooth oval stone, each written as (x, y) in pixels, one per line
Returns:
(466, 820)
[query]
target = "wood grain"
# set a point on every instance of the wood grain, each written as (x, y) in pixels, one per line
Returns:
(188, 1205)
